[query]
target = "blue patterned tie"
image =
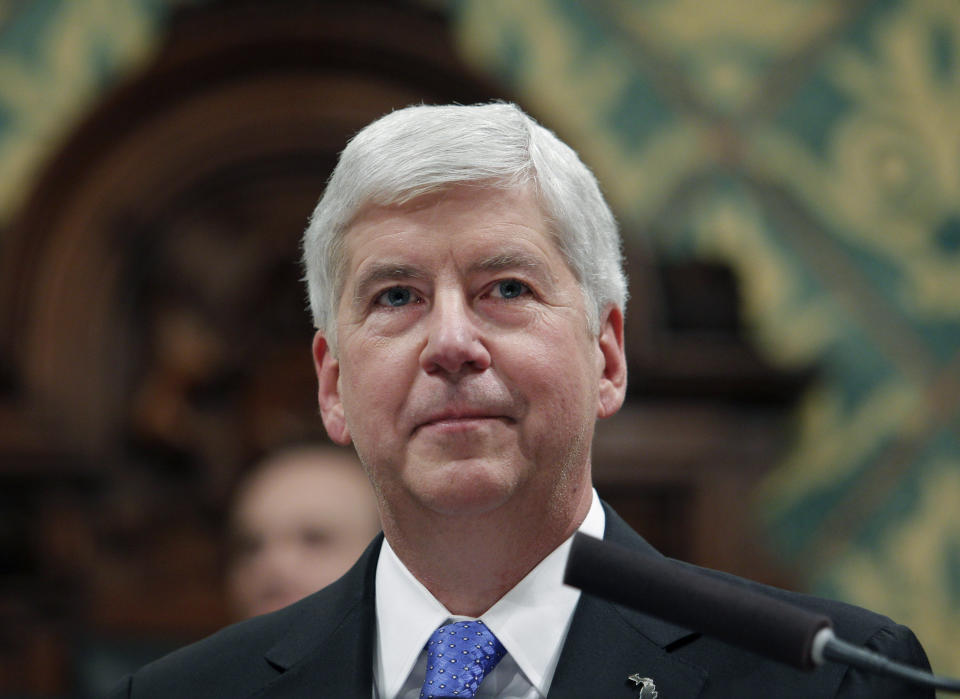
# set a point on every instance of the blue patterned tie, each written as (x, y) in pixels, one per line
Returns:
(459, 656)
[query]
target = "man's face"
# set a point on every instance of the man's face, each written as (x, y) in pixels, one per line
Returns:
(466, 374)
(298, 524)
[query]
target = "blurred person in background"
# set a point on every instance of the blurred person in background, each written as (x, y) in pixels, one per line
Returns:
(298, 520)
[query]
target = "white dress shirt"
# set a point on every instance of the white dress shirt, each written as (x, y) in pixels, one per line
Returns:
(531, 621)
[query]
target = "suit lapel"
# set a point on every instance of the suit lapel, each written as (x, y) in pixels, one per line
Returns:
(604, 648)
(608, 643)
(328, 650)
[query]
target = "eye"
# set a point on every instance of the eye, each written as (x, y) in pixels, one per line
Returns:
(395, 296)
(314, 537)
(510, 289)
(246, 546)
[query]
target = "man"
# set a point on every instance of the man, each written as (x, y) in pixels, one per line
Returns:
(465, 279)
(298, 521)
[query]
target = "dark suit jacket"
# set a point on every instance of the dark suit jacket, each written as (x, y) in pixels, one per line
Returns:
(323, 647)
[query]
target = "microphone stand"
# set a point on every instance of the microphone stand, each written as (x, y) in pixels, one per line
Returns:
(826, 646)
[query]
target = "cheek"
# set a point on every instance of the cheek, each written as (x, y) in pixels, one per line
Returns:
(562, 360)
(367, 379)
(374, 385)
(555, 377)
(367, 359)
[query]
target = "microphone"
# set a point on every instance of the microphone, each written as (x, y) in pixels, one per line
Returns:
(731, 613)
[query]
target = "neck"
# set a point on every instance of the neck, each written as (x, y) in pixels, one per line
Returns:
(484, 556)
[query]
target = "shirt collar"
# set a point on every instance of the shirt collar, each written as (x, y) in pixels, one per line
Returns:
(531, 620)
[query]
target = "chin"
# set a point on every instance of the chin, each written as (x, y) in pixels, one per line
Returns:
(466, 488)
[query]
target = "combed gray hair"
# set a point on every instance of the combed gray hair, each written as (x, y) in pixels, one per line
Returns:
(423, 149)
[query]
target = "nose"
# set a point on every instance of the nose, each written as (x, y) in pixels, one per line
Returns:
(454, 341)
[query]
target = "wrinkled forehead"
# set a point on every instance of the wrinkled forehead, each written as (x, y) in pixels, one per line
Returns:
(518, 201)
(473, 224)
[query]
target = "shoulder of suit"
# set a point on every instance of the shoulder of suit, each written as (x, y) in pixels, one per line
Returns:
(852, 623)
(237, 656)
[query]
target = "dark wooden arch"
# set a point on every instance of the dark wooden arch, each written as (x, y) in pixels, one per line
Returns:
(244, 100)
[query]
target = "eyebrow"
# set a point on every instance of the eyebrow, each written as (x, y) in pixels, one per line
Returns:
(508, 260)
(521, 260)
(385, 271)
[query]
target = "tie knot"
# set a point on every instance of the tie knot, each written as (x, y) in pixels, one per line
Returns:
(459, 656)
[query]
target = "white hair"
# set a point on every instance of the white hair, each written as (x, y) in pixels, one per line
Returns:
(423, 149)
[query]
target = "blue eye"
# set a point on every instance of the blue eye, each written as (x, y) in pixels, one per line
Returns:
(511, 289)
(395, 296)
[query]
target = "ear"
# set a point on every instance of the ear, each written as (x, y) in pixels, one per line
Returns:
(613, 379)
(328, 390)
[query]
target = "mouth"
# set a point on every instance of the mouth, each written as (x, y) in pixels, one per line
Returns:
(460, 421)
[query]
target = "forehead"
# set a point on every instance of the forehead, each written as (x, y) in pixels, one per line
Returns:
(299, 482)
(495, 223)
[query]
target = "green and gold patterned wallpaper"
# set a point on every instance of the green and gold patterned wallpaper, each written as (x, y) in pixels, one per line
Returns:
(56, 57)
(814, 145)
